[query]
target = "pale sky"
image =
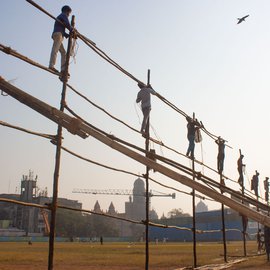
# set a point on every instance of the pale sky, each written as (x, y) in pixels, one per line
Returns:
(200, 59)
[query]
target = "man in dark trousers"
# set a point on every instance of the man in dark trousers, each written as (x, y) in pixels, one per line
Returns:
(255, 183)
(240, 166)
(221, 154)
(192, 126)
(144, 96)
(58, 37)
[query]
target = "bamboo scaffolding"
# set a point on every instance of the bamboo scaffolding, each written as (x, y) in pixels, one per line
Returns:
(84, 130)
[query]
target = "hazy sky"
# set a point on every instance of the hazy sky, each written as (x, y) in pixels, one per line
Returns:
(200, 59)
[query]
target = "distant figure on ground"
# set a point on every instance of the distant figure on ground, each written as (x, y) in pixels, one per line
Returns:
(58, 37)
(240, 166)
(242, 19)
(260, 240)
(267, 241)
(221, 154)
(144, 96)
(101, 240)
(255, 183)
(30, 241)
(192, 126)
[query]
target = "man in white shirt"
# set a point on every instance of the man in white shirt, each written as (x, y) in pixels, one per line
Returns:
(144, 96)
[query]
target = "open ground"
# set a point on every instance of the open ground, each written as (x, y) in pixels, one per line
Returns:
(126, 256)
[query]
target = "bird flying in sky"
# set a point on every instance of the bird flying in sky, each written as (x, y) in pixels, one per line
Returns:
(242, 19)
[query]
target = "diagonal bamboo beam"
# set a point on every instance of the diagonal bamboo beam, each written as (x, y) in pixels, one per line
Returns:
(75, 126)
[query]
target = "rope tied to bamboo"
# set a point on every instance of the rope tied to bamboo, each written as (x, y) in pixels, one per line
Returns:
(74, 126)
(7, 50)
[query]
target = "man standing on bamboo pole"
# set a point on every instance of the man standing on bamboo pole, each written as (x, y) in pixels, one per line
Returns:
(58, 35)
(144, 96)
(255, 183)
(192, 127)
(240, 167)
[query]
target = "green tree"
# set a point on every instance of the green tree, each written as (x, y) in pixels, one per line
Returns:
(177, 212)
(75, 224)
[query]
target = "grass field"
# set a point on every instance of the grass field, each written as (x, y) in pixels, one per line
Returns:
(82, 256)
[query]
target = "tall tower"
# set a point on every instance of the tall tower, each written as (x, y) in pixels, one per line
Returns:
(139, 199)
(136, 209)
(28, 187)
(26, 215)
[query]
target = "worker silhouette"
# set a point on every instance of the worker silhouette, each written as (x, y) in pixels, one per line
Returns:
(101, 240)
(144, 96)
(255, 183)
(221, 154)
(58, 37)
(240, 167)
(192, 127)
(266, 188)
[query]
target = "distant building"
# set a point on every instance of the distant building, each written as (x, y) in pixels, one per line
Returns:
(210, 220)
(111, 210)
(134, 209)
(29, 220)
(201, 207)
(97, 208)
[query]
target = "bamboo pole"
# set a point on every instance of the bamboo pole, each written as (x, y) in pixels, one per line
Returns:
(70, 123)
(244, 217)
(223, 225)
(64, 78)
(194, 210)
(84, 130)
(147, 188)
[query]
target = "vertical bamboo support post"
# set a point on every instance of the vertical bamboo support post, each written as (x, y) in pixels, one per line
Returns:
(147, 189)
(58, 156)
(194, 212)
(244, 219)
(223, 223)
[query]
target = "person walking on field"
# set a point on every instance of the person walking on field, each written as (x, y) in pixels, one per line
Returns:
(58, 37)
(144, 96)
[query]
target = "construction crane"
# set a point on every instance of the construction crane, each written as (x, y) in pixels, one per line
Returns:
(121, 192)
(46, 221)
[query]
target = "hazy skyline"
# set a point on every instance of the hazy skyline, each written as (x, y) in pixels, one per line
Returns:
(200, 59)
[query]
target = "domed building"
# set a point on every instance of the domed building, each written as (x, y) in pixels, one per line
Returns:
(201, 207)
(135, 209)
